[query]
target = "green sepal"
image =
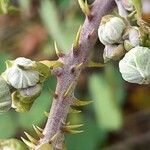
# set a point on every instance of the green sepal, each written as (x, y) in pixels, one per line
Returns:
(20, 106)
(105, 19)
(9, 63)
(52, 64)
(23, 103)
(20, 95)
(43, 70)
(127, 45)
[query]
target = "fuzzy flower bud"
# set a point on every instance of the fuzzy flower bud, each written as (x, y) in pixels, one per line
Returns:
(134, 38)
(21, 75)
(111, 32)
(5, 96)
(135, 66)
(113, 52)
(24, 73)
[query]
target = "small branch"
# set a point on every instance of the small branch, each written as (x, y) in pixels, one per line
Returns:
(60, 106)
(121, 9)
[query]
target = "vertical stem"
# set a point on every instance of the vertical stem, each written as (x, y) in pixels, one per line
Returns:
(60, 106)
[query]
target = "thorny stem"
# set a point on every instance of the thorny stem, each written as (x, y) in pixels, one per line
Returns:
(60, 106)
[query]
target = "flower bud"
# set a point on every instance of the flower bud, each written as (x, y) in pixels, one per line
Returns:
(5, 96)
(12, 144)
(24, 73)
(134, 36)
(135, 66)
(20, 74)
(111, 32)
(113, 52)
(127, 45)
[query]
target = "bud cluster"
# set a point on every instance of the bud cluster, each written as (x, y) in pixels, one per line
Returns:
(21, 83)
(121, 36)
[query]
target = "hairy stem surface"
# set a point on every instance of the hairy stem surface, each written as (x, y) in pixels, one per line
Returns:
(67, 77)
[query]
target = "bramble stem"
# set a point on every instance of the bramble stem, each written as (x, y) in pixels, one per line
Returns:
(61, 104)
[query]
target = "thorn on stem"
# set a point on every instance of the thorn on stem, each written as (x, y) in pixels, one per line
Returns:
(90, 34)
(28, 143)
(72, 110)
(79, 102)
(76, 42)
(85, 8)
(69, 90)
(38, 131)
(54, 137)
(53, 94)
(58, 52)
(76, 68)
(46, 113)
(32, 139)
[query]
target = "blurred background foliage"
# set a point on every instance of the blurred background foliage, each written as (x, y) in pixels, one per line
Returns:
(120, 111)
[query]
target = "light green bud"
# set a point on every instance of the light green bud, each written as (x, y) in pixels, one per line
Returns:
(135, 66)
(113, 52)
(111, 32)
(5, 96)
(24, 73)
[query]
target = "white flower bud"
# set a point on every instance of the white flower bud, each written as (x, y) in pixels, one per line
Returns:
(113, 52)
(21, 75)
(133, 39)
(5, 96)
(135, 66)
(134, 36)
(111, 32)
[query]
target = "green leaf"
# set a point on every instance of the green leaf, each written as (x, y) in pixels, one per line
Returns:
(3, 58)
(88, 139)
(51, 21)
(108, 112)
(115, 81)
(8, 127)
(36, 114)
